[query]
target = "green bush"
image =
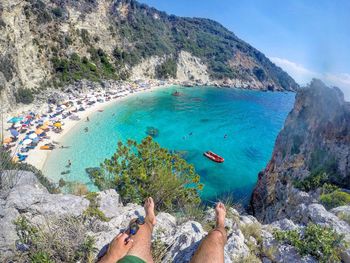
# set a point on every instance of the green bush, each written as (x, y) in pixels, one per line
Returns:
(76, 68)
(93, 209)
(322, 243)
(335, 199)
(167, 69)
(312, 182)
(24, 96)
(58, 12)
(138, 171)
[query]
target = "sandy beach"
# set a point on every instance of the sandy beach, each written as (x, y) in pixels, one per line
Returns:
(37, 157)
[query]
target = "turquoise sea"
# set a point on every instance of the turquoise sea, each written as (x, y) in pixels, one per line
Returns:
(192, 123)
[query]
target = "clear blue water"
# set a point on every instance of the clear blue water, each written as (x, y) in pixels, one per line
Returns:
(193, 123)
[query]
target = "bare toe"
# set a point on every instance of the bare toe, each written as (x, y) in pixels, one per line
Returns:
(149, 209)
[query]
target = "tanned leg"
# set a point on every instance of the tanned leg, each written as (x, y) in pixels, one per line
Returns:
(211, 250)
(142, 240)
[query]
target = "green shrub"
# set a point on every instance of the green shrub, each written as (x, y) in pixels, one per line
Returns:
(312, 182)
(76, 68)
(58, 12)
(138, 171)
(335, 199)
(93, 209)
(322, 243)
(40, 257)
(167, 69)
(85, 36)
(329, 188)
(24, 96)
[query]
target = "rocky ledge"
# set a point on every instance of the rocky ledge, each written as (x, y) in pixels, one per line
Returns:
(22, 195)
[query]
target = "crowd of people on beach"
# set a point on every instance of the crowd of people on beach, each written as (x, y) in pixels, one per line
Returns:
(34, 130)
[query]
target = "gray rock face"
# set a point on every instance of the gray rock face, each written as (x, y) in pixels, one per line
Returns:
(341, 211)
(315, 137)
(27, 197)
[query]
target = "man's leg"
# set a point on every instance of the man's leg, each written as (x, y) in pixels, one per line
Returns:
(142, 240)
(211, 250)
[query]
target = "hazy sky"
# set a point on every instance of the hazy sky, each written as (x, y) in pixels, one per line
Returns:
(307, 38)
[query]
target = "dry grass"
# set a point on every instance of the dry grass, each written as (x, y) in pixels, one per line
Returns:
(57, 240)
(252, 230)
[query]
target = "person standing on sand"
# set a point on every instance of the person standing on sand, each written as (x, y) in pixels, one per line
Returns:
(138, 249)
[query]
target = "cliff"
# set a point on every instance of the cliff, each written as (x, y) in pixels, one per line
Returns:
(35, 224)
(49, 44)
(314, 143)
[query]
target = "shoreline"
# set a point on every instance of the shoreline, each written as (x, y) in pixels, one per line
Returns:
(68, 127)
(38, 158)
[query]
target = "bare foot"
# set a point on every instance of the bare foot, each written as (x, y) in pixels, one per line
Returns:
(149, 209)
(220, 211)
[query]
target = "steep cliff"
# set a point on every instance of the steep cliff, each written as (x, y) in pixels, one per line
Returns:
(50, 43)
(314, 143)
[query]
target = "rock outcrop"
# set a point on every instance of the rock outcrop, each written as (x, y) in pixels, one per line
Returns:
(315, 138)
(23, 195)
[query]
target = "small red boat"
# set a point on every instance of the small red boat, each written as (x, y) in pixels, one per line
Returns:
(214, 157)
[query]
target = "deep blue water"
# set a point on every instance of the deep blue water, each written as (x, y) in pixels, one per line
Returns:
(193, 123)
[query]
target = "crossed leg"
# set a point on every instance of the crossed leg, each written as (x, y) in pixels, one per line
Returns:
(211, 250)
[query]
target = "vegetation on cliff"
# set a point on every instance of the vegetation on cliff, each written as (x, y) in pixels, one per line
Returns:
(138, 171)
(163, 34)
(131, 33)
(320, 242)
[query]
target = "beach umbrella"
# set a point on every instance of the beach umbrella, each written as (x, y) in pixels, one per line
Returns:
(14, 132)
(39, 131)
(58, 124)
(8, 140)
(27, 141)
(44, 127)
(14, 120)
(32, 136)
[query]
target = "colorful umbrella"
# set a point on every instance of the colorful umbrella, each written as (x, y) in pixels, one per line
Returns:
(27, 141)
(39, 131)
(14, 119)
(58, 124)
(8, 140)
(14, 132)
(32, 136)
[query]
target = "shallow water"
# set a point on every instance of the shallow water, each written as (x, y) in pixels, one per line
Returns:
(192, 123)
